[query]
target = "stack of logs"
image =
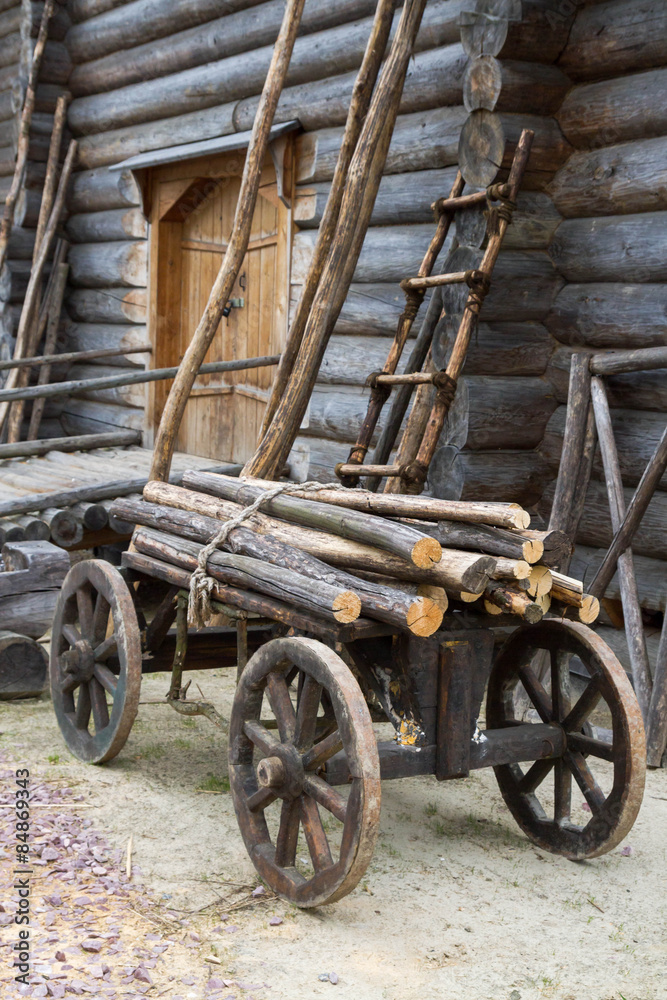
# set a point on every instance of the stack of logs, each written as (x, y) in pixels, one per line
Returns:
(339, 554)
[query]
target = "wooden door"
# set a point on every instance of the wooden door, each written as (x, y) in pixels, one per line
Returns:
(195, 214)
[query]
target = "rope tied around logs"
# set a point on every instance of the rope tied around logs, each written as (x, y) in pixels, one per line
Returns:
(479, 285)
(201, 584)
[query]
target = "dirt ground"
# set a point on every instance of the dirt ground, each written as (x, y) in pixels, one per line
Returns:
(456, 904)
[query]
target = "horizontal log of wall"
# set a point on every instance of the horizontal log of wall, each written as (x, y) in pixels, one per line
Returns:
(610, 315)
(217, 39)
(100, 190)
(651, 576)
(108, 305)
(542, 32)
(609, 39)
(497, 349)
(103, 265)
(100, 336)
(637, 434)
(612, 111)
(124, 395)
(641, 390)
(631, 248)
(114, 224)
(628, 177)
(407, 198)
(14, 280)
(595, 525)
(84, 416)
(320, 54)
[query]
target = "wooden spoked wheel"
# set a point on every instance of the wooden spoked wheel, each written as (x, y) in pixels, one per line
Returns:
(309, 842)
(95, 661)
(589, 816)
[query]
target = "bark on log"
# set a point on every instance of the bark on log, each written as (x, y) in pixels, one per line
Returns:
(103, 227)
(103, 190)
(610, 315)
(113, 305)
(242, 31)
(124, 395)
(404, 542)
(651, 576)
(23, 665)
(504, 599)
(624, 248)
(512, 476)
(611, 39)
(29, 614)
(24, 449)
(573, 443)
(82, 416)
(457, 570)
(105, 265)
(656, 737)
(316, 597)
(496, 541)
(500, 349)
(384, 603)
(616, 110)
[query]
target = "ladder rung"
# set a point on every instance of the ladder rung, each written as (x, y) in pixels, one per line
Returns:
(368, 470)
(435, 280)
(413, 378)
(495, 192)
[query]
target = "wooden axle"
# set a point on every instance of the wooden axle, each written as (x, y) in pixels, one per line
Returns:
(60, 359)
(131, 378)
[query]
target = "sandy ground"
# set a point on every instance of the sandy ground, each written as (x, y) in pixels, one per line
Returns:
(456, 904)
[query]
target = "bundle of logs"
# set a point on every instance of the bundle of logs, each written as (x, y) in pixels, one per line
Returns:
(341, 554)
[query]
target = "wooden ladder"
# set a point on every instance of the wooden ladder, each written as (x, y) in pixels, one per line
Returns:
(424, 429)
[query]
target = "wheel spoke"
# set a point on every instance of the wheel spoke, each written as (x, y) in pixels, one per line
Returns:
(587, 783)
(587, 745)
(84, 603)
(316, 838)
(562, 792)
(98, 702)
(575, 719)
(100, 618)
(261, 737)
(72, 634)
(106, 648)
(281, 705)
(288, 834)
(534, 776)
(262, 798)
(322, 751)
(536, 693)
(327, 796)
(82, 714)
(560, 683)
(108, 680)
(306, 714)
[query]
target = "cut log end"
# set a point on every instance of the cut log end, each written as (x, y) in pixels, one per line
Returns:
(533, 550)
(424, 617)
(540, 581)
(589, 610)
(346, 607)
(426, 553)
(469, 598)
(436, 594)
(533, 614)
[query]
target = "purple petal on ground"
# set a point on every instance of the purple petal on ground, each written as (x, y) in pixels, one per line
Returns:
(627, 851)
(259, 891)
(82, 901)
(232, 929)
(5, 919)
(194, 936)
(91, 945)
(215, 984)
(333, 978)
(40, 991)
(49, 854)
(54, 900)
(56, 990)
(153, 937)
(188, 980)
(96, 971)
(142, 975)
(585, 806)
(275, 921)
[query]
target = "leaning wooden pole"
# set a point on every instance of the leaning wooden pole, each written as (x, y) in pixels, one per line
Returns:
(361, 98)
(364, 177)
(634, 627)
(238, 243)
(24, 133)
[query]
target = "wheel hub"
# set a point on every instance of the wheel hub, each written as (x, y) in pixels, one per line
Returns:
(78, 664)
(282, 772)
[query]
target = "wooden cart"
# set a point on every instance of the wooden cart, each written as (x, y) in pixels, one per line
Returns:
(303, 751)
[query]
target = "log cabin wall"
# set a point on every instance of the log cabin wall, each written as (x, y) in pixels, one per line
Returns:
(19, 26)
(611, 250)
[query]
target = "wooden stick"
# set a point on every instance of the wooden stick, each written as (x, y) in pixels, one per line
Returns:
(634, 627)
(414, 430)
(316, 597)
(578, 402)
(130, 378)
(24, 133)
(456, 570)
(637, 508)
(82, 442)
(361, 189)
(52, 325)
(238, 243)
(567, 590)
(34, 285)
(503, 598)
(510, 569)
(74, 356)
(619, 362)
(501, 515)
(562, 563)
(399, 539)
(588, 613)
(359, 103)
(656, 734)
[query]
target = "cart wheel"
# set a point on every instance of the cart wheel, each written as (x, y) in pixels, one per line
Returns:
(339, 831)
(608, 768)
(95, 652)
